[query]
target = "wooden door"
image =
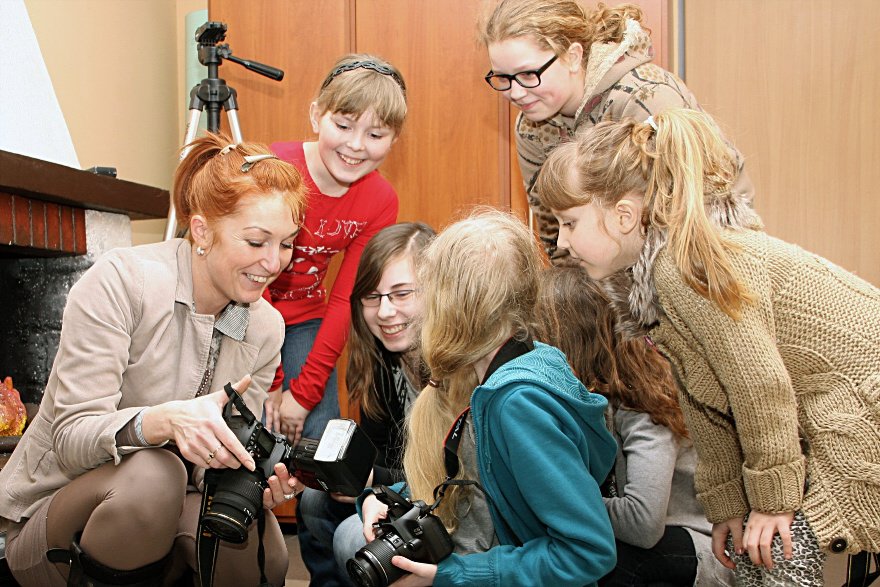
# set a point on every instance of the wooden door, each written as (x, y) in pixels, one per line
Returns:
(794, 83)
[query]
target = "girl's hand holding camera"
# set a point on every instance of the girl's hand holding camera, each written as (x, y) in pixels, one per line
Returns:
(372, 510)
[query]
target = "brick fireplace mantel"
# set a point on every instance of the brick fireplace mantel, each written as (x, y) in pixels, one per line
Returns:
(42, 205)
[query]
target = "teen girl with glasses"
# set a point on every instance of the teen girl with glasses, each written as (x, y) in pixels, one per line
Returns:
(385, 373)
(567, 69)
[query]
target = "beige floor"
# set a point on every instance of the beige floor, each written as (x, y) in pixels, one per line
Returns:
(298, 576)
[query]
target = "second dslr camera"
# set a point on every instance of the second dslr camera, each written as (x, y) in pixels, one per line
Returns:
(410, 530)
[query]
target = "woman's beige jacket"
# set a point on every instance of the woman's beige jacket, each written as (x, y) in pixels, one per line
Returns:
(129, 339)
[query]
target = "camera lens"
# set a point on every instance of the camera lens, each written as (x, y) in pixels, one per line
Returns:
(371, 565)
(236, 501)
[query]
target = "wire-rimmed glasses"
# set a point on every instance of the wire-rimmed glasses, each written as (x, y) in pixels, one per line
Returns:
(397, 297)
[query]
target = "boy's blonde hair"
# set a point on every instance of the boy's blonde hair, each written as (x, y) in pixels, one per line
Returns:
(678, 168)
(356, 90)
(480, 282)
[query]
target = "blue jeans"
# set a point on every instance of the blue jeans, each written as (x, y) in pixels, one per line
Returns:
(324, 517)
(298, 341)
(348, 539)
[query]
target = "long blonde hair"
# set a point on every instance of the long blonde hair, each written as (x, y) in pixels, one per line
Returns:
(480, 282)
(555, 24)
(679, 168)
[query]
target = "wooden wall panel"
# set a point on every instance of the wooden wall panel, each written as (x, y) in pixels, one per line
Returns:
(301, 37)
(448, 156)
(794, 83)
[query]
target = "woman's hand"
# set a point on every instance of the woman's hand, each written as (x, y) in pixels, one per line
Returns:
(197, 428)
(282, 487)
(759, 533)
(422, 573)
(292, 417)
(372, 510)
(732, 527)
(272, 408)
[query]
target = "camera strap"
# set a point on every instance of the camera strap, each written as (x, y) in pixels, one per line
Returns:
(510, 350)
(207, 544)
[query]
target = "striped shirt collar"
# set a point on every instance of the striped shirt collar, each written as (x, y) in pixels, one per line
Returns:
(233, 321)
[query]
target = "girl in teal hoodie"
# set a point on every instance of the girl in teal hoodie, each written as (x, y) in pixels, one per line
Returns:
(534, 438)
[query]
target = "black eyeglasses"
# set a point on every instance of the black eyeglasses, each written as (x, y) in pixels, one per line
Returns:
(395, 297)
(527, 79)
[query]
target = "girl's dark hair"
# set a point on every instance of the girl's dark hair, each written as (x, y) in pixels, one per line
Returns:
(366, 355)
(575, 315)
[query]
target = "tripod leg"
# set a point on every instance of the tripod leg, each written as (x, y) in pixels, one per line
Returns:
(192, 128)
(234, 128)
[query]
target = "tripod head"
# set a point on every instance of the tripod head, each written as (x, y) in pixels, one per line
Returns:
(211, 54)
(212, 95)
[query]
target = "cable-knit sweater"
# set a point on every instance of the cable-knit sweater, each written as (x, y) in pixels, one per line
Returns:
(783, 404)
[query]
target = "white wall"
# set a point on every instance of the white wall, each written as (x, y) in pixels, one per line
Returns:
(117, 70)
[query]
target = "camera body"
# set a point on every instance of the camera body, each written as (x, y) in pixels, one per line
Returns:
(340, 461)
(409, 530)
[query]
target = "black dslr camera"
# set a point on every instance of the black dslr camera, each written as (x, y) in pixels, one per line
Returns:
(410, 530)
(340, 461)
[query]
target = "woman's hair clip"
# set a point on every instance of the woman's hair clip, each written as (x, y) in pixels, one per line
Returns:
(653, 124)
(433, 383)
(383, 69)
(227, 148)
(249, 160)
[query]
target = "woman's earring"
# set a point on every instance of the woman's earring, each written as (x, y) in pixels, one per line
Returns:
(200, 251)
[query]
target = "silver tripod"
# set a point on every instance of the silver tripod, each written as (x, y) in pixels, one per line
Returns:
(212, 95)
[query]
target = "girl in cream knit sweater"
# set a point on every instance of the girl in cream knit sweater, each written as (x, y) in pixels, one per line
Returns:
(776, 351)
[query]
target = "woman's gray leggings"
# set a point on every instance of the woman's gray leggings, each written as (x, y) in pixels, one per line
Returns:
(132, 515)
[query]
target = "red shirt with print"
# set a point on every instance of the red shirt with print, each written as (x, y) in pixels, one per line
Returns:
(331, 225)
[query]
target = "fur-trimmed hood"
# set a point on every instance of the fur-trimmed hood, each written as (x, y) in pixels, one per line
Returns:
(632, 291)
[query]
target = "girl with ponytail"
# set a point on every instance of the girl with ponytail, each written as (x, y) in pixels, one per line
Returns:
(774, 349)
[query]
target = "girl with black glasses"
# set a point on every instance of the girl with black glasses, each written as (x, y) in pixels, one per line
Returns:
(567, 69)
